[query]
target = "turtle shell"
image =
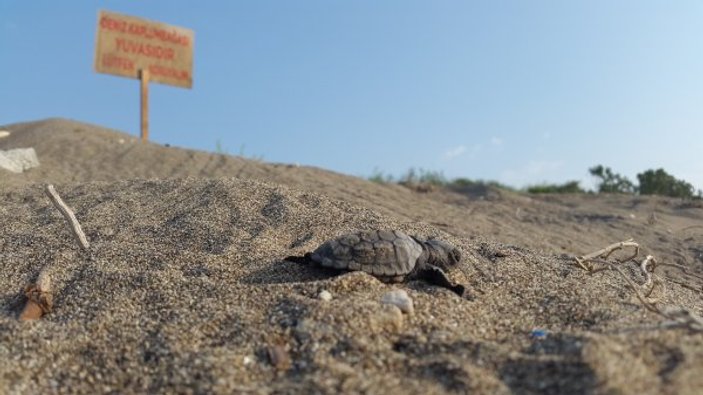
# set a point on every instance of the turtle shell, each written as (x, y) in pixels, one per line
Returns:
(378, 252)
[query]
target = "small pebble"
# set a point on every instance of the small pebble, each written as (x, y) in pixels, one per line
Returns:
(324, 295)
(278, 355)
(399, 298)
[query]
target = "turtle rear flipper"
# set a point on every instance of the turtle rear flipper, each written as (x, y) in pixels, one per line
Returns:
(437, 276)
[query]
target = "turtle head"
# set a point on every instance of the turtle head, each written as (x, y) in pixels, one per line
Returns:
(442, 254)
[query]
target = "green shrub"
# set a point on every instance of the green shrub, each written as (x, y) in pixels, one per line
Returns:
(659, 182)
(611, 182)
(220, 149)
(463, 182)
(380, 177)
(459, 183)
(567, 187)
(499, 185)
(423, 177)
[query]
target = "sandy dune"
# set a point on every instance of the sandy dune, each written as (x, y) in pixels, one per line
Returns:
(185, 290)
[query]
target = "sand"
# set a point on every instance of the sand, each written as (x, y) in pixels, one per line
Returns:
(185, 290)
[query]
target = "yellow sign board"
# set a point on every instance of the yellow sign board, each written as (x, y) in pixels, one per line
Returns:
(127, 46)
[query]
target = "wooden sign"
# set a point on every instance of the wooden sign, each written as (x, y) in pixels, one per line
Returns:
(126, 45)
(150, 51)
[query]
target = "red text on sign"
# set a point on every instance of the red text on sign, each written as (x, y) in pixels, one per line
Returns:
(117, 62)
(152, 51)
(149, 32)
(169, 72)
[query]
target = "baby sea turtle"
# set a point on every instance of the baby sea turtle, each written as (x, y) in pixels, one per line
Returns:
(391, 256)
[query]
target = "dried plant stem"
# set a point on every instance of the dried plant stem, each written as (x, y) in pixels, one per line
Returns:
(648, 283)
(647, 303)
(678, 317)
(70, 217)
(585, 261)
(684, 285)
(690, 227)
(684, 269)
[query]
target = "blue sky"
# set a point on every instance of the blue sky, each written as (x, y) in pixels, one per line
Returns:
(516, 91)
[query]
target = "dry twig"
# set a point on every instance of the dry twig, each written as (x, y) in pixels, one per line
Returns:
(690, 227)
(677, 317)
(68, 214)
(683, 268)
(648, 283)
(600, 256)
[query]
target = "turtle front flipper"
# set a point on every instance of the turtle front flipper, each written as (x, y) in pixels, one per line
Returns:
(437, 276)
(305, 259)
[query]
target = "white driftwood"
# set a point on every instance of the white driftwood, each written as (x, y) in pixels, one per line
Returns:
(70, 217)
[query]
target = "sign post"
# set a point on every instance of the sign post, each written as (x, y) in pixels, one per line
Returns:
(144, 95)
(133, 47)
